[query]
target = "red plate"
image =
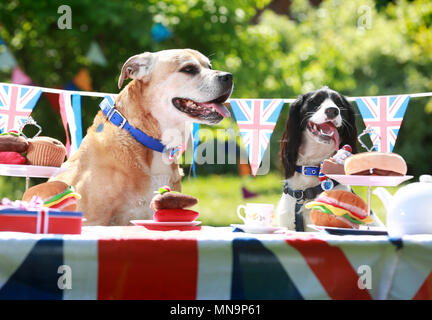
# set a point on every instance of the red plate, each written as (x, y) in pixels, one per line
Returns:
(166, 226)
(179, 228)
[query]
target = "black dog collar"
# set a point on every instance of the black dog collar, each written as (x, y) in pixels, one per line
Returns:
(301, 196)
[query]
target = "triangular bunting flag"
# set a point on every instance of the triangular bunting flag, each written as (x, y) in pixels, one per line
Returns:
(65, 99)
(160, 33)
(384, 115)
(75, 123)
(195, 141)
(256, 120)
(95, 54)
(16, 105)
(82, 80)
(19, 77)
(7, 60)
(53, 99)
(71, 86)
(70, 111)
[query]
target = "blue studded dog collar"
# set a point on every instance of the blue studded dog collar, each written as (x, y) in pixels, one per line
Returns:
(308, 170)
(115, 117)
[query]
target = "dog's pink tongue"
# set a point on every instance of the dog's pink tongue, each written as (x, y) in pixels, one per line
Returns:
(221, 109)
(329, 128)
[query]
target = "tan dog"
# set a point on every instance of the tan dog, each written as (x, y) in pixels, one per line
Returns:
(114, 173)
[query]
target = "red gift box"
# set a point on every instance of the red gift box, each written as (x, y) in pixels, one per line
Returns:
(43, 220)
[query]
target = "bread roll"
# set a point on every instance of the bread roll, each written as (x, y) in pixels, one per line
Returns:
(45, 190)
(381, 163)
(48, 190)
(319, 218)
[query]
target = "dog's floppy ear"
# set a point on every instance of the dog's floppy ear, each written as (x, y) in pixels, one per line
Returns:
(292, 137)
(137, 67)
(349, 129)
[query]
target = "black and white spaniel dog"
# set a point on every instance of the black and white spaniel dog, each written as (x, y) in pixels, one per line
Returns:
(319, 123)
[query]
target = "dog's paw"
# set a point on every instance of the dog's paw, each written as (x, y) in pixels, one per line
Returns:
(285, 216)
(286, 221)
(181, 172)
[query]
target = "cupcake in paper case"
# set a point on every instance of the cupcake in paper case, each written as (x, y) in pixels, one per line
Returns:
(45, 151)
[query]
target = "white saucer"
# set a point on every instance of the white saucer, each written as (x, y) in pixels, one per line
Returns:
(257, 229)
(363, 230)
(165, 224)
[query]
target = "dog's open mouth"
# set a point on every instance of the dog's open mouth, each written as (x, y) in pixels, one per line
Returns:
(325, 132)
(212, 111)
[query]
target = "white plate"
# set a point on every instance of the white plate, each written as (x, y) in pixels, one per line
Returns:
(165, 224)
(20, 170)
(257, 229)
(363, 230)
(376, 181)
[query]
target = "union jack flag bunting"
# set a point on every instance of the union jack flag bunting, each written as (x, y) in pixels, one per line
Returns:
(256, 120)
(16, 105)
(70, 112)
(384, 115)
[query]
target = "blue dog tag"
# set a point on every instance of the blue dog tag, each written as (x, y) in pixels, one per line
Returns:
(327, 185)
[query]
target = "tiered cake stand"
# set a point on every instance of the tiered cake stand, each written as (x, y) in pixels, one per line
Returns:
(369, 181)
(28, 171)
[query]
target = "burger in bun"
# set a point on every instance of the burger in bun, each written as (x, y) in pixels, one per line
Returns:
(339, 209)
(55, 194)
(375, 164)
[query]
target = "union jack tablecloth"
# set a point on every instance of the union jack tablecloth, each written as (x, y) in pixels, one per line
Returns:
(212, 263)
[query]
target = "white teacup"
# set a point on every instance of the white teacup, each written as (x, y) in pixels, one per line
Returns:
(256, 214)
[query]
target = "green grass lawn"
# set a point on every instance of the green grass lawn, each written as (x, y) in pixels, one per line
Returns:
(12, 187)
(219, 196)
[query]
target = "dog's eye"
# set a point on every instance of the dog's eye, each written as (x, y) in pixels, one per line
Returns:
(190, 69)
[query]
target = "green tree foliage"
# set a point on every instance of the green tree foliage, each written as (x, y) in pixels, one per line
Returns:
(280, 56)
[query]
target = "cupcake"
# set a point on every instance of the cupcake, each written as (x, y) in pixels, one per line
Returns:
(170, 206)
(45, 151)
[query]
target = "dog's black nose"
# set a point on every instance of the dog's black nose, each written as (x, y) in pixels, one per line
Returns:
(331, 112)
(225, 77)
